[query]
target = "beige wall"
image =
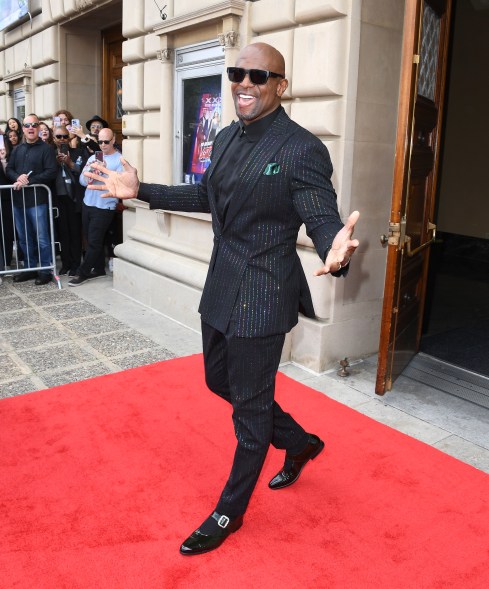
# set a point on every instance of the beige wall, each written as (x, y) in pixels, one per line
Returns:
(342, 60)
(463, 194)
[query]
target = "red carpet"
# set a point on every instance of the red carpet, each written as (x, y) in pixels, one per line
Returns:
(100, 481)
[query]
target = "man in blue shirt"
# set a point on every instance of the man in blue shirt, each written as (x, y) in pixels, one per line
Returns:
(97, 212)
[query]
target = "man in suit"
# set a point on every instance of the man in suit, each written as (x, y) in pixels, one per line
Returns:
(267, 176)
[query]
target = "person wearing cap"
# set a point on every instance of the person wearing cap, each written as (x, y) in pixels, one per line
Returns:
(94, 126)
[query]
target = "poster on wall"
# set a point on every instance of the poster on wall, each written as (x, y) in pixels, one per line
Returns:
(207, 125)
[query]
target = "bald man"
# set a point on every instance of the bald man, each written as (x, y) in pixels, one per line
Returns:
(266, 178)
(98, 211)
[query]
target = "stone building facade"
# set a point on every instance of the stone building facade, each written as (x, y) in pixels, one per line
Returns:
(343, 61)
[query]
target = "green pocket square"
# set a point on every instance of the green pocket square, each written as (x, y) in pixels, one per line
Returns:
(271, 169)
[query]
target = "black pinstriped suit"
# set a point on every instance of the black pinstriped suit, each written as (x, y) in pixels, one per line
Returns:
(255, 286)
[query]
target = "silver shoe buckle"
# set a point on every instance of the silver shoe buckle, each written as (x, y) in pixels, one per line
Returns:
(223, 521)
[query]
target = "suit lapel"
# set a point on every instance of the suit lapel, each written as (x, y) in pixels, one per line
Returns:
(255, 165)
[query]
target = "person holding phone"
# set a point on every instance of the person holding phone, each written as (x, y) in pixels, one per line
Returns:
(69, 197)
(97, 211)
(64, 117)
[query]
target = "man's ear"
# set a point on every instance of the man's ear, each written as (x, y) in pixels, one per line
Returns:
(282, 87)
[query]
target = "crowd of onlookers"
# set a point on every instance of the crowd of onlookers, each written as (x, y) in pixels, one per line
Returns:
(87, 227)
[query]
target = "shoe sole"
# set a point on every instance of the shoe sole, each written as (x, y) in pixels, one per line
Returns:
(313, 456)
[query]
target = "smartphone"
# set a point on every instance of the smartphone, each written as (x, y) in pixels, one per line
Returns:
(56, 121)
(63, 148)
(75, 122)
(2, 142)
(99, 158)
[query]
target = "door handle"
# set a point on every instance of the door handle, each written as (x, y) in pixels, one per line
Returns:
(407, 241)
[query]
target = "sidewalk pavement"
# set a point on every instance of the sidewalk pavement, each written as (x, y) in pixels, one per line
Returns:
(51, 336)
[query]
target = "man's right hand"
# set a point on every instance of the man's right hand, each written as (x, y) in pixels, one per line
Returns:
(116, 184)
(22, 180)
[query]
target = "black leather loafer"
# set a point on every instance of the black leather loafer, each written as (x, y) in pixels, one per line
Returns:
(199, 543)
(24, 276)
(43, 279)
(290, 473)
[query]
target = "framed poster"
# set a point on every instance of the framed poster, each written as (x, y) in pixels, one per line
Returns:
(198, 112)
(203, 124)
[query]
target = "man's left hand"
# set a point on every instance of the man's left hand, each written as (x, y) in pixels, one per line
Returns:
(342, 249)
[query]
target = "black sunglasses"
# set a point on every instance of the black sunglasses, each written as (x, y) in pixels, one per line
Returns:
(104, 141)
(61, 136)
(27, 125)
(257, 77)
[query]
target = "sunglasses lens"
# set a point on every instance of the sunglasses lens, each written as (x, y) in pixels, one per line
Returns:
(237, 75)
(62, 136)
(33, 125)
(258, 77)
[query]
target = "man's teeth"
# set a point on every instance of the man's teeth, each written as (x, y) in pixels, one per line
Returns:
(246, 96)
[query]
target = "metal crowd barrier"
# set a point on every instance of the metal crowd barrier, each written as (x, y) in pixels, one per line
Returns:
(9, 212)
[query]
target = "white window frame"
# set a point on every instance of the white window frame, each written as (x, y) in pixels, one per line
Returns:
(19, 103)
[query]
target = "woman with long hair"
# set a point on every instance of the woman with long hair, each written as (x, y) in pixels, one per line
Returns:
(11, 140)
(14, 124)
(45, 133)
(64, 117)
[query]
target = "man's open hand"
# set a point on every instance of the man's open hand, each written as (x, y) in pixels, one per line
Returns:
(117, 184)
(342, 249)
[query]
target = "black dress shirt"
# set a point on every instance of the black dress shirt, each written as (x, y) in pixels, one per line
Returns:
(227, 171)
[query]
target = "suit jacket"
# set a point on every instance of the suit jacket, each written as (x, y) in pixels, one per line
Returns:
(255, 276)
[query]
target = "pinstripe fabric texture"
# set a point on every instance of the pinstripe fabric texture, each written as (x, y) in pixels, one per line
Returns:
(255, 275)
(242, 371)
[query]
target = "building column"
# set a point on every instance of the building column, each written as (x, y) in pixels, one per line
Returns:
(167, 57)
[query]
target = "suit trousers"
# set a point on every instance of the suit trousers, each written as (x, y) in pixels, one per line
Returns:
(242, 371)
(70, 233)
